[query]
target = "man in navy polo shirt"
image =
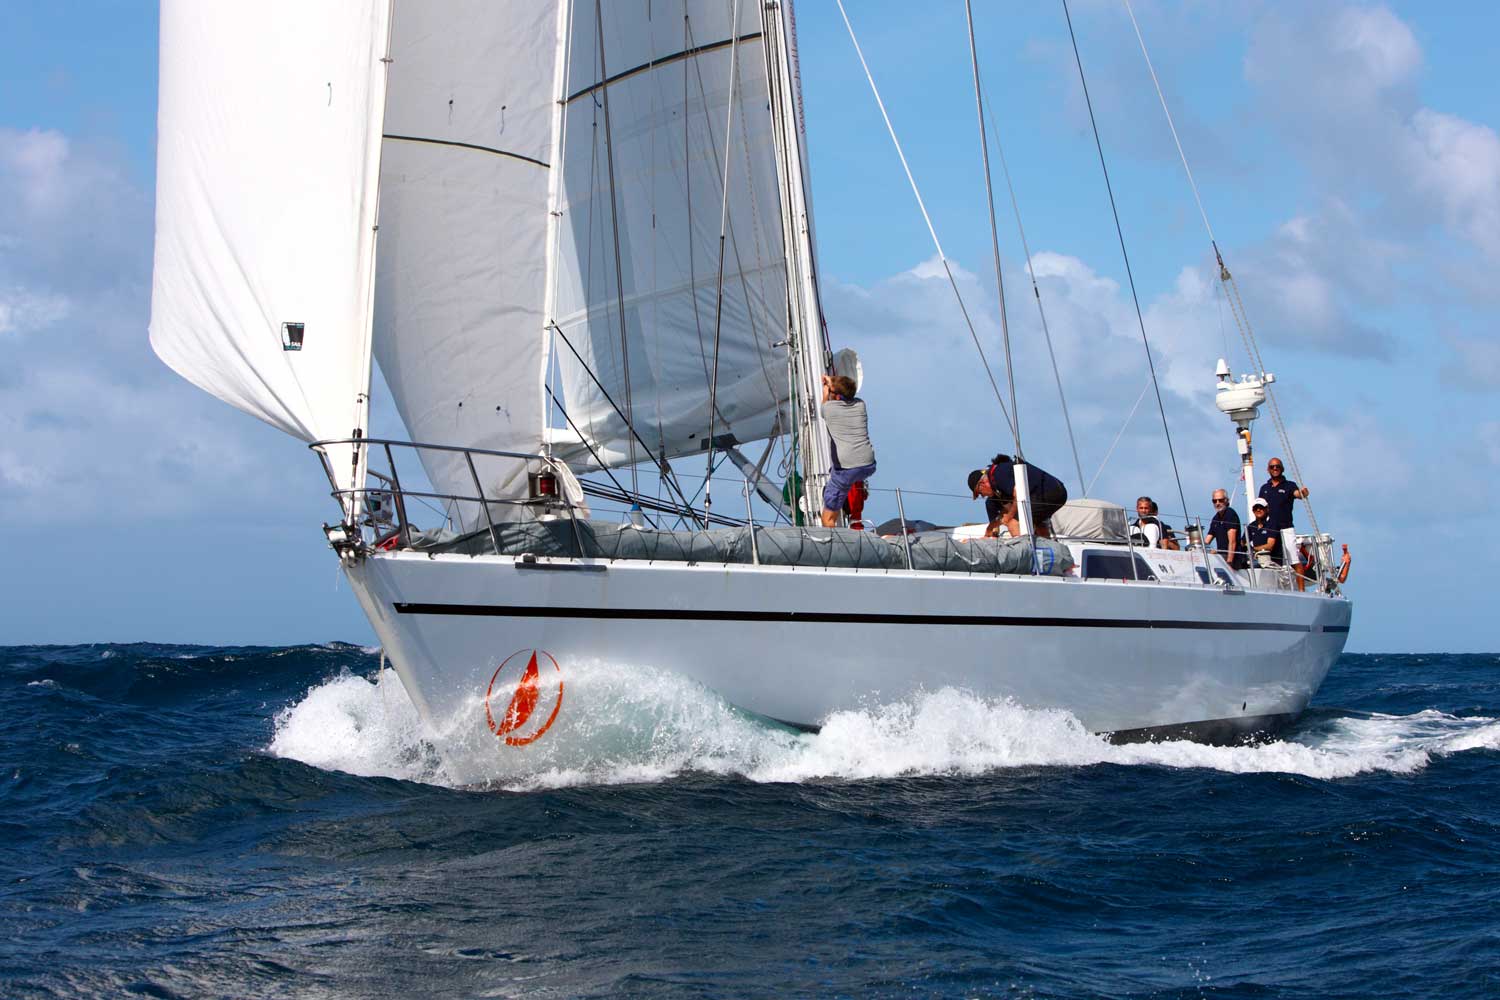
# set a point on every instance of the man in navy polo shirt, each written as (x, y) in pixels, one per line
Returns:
(1265, 543)
(1279, 494)
(1225, 530)
(997, 485)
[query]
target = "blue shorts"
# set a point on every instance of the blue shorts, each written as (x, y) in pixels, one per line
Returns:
(841, 481)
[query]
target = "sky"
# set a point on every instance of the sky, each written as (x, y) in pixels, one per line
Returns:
(1348, 161)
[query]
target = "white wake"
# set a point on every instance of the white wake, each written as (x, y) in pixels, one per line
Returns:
(647, 727)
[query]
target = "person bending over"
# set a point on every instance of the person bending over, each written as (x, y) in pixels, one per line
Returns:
(997, 485)
(853, 454)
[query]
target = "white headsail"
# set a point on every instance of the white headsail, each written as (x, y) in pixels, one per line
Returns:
(268, 139)
(551, 175)
(463, 230)
(637, 272)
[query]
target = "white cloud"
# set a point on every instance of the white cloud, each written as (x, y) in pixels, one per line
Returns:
(1308, 284)
(34, 163)
(1342, 83)
(90, 422)
(1456, 165)
(23, 311)
(933, 411)
(73, 224)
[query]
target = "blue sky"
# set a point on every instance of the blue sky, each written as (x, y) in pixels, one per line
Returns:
(1348, 159)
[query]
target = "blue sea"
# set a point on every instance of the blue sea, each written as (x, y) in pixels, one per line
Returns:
(268, 822)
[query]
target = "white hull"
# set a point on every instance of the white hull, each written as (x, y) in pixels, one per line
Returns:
(1119, 656)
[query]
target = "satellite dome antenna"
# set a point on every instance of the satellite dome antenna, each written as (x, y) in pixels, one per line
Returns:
(1240, 400)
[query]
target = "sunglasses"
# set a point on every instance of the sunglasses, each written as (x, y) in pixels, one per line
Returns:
(1220, 500)
(1274, 468)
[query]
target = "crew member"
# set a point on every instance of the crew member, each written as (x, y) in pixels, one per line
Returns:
(1156, 532)
(1280, 493)
(1264, 542)
(997, 485)
(853, 454)
(1225, 530)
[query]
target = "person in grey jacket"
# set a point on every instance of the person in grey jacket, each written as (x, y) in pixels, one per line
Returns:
(853, 454)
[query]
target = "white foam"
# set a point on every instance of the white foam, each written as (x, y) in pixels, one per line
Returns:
(650, 726)
(362, 727)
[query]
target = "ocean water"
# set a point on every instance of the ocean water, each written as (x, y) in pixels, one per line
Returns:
(268, 822)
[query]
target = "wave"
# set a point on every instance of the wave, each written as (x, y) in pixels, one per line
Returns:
(654, 726)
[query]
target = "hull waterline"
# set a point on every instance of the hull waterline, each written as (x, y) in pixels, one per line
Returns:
(1135, 660)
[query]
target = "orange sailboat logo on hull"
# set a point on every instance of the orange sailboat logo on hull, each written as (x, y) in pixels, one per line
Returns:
(540, 685)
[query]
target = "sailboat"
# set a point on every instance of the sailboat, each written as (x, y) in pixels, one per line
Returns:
(578, 237)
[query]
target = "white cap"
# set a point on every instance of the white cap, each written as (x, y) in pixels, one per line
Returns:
(1258, 502)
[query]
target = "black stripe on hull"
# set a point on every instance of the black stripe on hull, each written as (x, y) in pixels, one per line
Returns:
(831, 617)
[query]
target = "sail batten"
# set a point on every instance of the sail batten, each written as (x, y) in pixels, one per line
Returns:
(466, 145)
(661, 61)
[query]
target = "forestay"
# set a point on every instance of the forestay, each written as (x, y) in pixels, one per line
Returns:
(268, 137)
(463, 230)
(644, 165)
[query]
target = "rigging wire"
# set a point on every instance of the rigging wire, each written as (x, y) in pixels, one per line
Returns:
(713, 382)
(734, 243)
(1121, 433)
(807, 349)
(1120, 232)
(1036, 292)
(595, 454)
(660, 463)
(927, 218)
(1236, 305)
(989, 196)
(614, 220)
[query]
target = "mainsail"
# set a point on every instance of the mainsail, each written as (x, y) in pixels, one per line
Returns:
(641, 330)
(268, 139)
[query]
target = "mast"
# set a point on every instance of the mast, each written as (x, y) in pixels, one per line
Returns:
(554, 214)
(1023, 483)
(808, 350)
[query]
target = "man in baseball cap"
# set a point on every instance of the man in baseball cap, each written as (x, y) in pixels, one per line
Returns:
(997, 485)
(1264, 540)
